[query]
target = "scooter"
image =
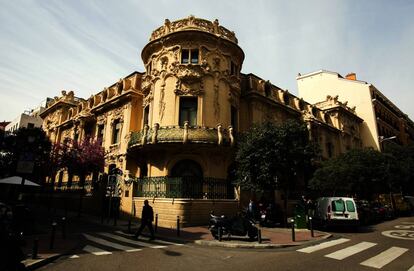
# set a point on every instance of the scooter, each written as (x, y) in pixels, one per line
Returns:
(11, 241)
(239, 225)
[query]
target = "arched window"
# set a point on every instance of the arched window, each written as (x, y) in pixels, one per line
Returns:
(189, 183)
(187, 168)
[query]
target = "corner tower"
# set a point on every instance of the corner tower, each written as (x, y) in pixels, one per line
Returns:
(191, 94)
(192, 74)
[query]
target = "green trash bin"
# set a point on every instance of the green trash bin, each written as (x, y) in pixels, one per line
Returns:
(300, 217)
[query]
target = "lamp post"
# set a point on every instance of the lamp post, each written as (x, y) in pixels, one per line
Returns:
(382, 139)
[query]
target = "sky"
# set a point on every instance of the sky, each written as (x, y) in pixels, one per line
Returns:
(49, 46)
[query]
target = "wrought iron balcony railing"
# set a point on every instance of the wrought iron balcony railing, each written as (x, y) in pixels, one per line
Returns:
(184, 187)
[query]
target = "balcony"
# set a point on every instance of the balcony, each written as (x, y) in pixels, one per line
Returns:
(182, 134)
(183, 187)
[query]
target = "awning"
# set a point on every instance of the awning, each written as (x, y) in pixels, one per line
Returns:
(17, 180)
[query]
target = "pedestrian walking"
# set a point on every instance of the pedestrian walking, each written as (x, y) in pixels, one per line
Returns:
(146, 220)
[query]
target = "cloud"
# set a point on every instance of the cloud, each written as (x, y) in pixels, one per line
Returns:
(47, 46)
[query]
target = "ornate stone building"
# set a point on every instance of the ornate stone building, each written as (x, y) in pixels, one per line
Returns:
(383, 120)
(173, 127)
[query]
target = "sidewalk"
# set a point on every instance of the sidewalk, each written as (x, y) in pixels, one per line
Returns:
(271, 238)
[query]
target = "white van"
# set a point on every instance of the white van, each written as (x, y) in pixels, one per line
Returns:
(336, 211)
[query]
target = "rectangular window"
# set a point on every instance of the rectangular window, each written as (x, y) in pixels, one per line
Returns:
(185, 56)
(234, 117)
(189, 56)
(188, 111)
(350, 207)
(233, 68)
(338, 206)
(329, 149)
(146, 114)
(116, 132)
(194, 56)
(100, 134)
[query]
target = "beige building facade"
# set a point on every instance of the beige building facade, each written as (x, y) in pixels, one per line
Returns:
(172, 129)
(382, 120)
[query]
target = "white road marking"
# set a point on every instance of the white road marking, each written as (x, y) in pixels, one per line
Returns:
(110, 244)
(349, 251)
(411, 268)
(158, 241)
(399, 234)
(385, 257)
(74, 257)
(129, 241)
(96, 251)
(323, 245)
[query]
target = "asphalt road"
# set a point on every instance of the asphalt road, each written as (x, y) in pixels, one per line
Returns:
(386, 246)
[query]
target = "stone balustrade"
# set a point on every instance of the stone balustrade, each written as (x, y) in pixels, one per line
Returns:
(182, 134)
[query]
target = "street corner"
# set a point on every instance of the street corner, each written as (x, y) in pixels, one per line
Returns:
(268, 243)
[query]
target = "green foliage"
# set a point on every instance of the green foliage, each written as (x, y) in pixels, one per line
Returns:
(29, 144)
(363, 172)
(271, 156)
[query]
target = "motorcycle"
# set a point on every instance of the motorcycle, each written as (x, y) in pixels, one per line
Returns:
(239, 225)
(11, 241)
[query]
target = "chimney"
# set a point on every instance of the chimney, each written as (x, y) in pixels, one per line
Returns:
(351, 76)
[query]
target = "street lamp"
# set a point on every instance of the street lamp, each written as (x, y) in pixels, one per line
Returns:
(382, 139)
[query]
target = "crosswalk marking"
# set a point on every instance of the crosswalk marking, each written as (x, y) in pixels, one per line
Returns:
(158, 240)
(411, 268)
(349, 251)
(384, 257)
(96, 251)
(110, 244)
(74, 257)
(323, 245)
(129, 241)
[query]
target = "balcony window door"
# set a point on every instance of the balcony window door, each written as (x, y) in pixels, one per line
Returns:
(188, 111)
(116, 132)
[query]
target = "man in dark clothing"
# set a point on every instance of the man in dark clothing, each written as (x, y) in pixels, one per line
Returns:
(146, 220)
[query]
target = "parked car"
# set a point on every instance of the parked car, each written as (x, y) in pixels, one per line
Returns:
(365, 212)
(379, 211)
(336, 211)
(410, 201)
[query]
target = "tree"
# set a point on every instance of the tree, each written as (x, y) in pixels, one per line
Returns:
(274, 156)
(401, 164)
(82, 158)
(26, 144)
(363, 172)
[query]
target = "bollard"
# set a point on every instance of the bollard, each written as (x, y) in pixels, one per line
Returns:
(292, 221)
(178, 225)
(259, 236)
(156, 223)
(220, 234)
(35, 248)
(52, 236)
(311, 226)
(64, 227)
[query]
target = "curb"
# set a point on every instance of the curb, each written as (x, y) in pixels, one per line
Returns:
(33, 265)
(227, 244)
(42, 262)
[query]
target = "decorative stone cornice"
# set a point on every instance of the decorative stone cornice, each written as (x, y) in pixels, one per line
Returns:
(193, 23)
